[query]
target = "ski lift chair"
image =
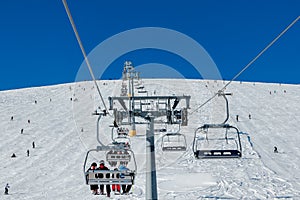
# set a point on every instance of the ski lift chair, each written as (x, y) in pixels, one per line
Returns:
(121, 131)
(119, 154)
(211, 145)
(109, 177)
(174, 141)
(121, 138)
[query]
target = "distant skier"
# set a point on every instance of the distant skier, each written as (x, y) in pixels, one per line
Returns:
(27, 152)
(275, 149)
(28, 121)
(249, 116)
(6, 188)
(35, 102)
(22, 130)
(33, 145)
(237, 118)
(12, 118)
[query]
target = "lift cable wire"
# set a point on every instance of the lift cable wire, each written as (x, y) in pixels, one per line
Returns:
(83, 52)
(248, 65)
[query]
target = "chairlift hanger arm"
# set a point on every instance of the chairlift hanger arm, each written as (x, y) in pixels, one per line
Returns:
(98, 129)
(227, 108)
(195, 135)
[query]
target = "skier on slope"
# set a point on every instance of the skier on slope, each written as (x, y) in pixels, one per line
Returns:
(6, 188)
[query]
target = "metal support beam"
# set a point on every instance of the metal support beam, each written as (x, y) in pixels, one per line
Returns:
(151, 184)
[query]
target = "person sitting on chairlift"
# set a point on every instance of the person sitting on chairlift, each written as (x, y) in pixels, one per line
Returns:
(103, 167)
(94, 188)
(116, 188)
(125, 188)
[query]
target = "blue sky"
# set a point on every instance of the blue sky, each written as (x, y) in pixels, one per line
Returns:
(38, 46)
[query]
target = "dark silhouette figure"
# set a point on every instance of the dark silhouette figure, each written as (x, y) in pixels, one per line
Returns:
(237, 118)
(249, 116)
(6, 188)
(13, 155)
(12, 118)
(22, 130)
(125, 188)
(116, 188)
(27, 152)
(103, 167)
(28, 121)
(94, 188)
(275, 150)
(35, 102)
(33, 145)
(115, 124)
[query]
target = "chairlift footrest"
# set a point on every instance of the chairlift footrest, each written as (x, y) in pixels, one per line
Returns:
(203, 154)
(174, 148)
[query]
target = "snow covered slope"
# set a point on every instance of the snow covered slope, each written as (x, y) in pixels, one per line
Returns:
(64, 129)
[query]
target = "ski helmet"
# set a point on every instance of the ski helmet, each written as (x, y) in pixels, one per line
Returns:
(102, 162)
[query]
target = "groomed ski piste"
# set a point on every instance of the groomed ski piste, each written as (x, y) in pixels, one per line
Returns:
(64, 130)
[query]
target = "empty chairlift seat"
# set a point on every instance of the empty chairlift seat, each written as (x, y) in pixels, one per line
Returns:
(174, 142)
(217, 141)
